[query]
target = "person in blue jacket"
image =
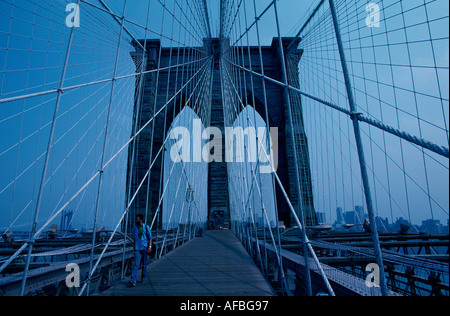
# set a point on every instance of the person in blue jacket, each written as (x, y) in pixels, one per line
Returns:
(142, 245)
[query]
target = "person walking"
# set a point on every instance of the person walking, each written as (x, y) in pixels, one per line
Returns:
(142, 246)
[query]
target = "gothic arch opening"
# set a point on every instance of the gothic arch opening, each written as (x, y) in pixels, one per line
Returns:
(185, 176)
(250, 181)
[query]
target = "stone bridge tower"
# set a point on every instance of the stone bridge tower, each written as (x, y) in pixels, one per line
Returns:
(155, 85)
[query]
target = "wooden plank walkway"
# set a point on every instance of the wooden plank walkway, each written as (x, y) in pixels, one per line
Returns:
(213, 265)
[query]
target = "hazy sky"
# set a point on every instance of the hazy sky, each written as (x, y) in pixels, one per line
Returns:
(33, 43)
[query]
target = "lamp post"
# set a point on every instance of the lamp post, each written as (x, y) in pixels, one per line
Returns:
(189, 199)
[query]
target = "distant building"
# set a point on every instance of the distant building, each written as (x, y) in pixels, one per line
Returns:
(382, 224)
(66, 220)
(359, 214)
(350, 217)
(397, 226)
(340, 216)
(431, 226)
(321, 217)
(401, 224)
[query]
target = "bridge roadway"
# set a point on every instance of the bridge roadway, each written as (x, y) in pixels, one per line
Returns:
(213, 265)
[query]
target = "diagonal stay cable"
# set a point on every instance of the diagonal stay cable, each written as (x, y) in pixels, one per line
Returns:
(128, 207)
(18, 252)
(440, 150)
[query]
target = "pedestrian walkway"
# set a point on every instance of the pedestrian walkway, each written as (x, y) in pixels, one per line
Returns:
(213, 265)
